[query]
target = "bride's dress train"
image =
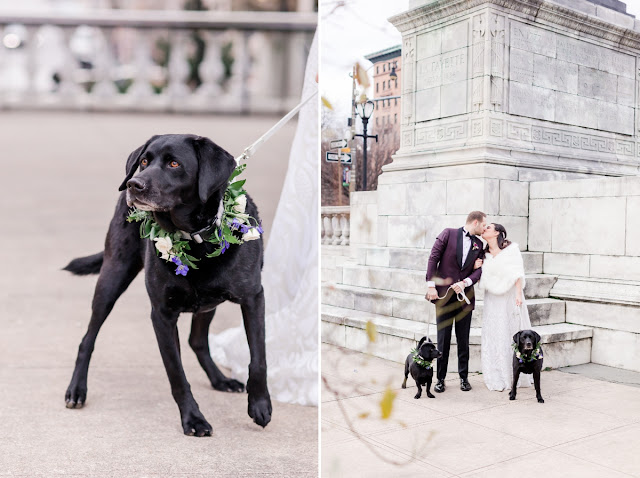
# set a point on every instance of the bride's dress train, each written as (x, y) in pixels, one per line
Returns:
(290, 273)
(501, 318)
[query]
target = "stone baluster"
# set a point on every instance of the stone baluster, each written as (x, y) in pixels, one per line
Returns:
(211, 69)
(178, 65)
(103, 66)
(345, 229)
(337, 229)
(237, 94)
(141, 86)
(328, 230)
(69, 89)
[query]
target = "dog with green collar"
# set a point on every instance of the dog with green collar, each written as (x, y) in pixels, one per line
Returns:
(419, 364)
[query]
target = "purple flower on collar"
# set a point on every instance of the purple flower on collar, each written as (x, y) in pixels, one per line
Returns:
(259, 228)
(181, 269)
(225, 246)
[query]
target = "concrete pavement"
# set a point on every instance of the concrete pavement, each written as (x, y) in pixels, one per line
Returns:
(586, 427)
(58, 185)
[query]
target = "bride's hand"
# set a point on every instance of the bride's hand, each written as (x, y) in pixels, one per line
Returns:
(518, 301)
(477, 264)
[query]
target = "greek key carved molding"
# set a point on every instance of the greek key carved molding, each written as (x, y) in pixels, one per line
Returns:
(566, 139)
(442, 133)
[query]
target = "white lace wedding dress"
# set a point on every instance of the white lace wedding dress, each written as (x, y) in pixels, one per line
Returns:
(501, 318)
(290, 273)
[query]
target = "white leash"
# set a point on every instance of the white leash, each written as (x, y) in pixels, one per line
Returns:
(250, 150)
(459, 295)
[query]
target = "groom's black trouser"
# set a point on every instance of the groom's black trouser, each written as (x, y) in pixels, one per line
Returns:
(448, 312)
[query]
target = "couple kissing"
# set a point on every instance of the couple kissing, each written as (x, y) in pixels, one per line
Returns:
(458, 260)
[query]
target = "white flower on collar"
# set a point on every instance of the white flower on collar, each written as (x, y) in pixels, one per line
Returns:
(164, 245)
(241, 204)
(251, 235)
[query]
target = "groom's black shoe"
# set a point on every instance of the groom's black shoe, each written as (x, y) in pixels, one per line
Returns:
(439, 388)
(465, 386)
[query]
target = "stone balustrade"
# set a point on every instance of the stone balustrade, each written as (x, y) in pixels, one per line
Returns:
(246, 62)
(335, 225)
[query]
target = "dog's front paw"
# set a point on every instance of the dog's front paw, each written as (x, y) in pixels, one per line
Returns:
(512, 396)
(430, 395)
(195, 424)
(260, 409)
(75, 396)
(540, 400)
(417, 396)
(228, 385)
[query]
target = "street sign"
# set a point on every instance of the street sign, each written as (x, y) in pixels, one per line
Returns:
(339, 143)
(344, 158)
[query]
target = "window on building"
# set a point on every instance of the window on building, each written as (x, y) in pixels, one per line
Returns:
(396, 82)
(395, 118)
(377, 84)
(396, 103)
(384, 67)
(389, 86)
(377, 68)
(383, 85)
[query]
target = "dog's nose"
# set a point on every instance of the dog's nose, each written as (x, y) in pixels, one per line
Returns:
(136, 185)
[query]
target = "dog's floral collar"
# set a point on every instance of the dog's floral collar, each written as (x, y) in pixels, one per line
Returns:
(419, 359)
(232, 226)
(535, 354)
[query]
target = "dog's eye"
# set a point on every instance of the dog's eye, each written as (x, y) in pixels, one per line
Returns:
(144, 162)
(174, 164)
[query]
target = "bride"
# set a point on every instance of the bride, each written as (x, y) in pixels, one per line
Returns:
(290, 274)
(505, 311)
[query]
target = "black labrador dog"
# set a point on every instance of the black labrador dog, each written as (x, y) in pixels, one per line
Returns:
(419, 364)
(527, 358)
(181, 180)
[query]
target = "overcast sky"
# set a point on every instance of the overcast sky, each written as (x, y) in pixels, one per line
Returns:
(360, 27)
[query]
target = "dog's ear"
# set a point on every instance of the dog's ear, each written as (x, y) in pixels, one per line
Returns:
(516, 338)
(537, 337)
(421, 342)
(133, 161)
(215, 165)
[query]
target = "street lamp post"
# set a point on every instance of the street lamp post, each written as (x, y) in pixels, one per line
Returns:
(365, 110)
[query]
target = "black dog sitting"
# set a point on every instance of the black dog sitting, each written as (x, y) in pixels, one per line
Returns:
(419, 364)
(181, 179)
(527, 358)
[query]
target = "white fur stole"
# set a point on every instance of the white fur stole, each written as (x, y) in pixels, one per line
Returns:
(500, 273)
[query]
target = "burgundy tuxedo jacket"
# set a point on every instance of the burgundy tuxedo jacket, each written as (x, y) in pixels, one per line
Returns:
(445, 265)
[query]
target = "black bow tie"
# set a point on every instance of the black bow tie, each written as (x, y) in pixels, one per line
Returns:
(466, 233)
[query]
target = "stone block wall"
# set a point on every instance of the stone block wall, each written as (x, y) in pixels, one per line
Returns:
(589, 231)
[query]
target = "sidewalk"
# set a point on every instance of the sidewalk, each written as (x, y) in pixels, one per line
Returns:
(58, 187)
(586, 427)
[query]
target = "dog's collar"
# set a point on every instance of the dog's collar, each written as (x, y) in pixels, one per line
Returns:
(232, 225)
(420, 360)
(536, 354)
(201, 234)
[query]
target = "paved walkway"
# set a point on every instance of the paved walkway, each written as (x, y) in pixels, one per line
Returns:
(59, 174)
(586, 427)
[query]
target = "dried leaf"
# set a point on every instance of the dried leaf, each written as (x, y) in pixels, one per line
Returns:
(326, 103)
(372, 332)
(386, 404)
(364, 415)
(362, 77)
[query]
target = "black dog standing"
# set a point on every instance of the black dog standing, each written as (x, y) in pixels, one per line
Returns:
(527, 358)
(182, 181)
(419, 364)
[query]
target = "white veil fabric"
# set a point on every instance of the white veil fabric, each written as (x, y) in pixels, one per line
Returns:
(290, 273)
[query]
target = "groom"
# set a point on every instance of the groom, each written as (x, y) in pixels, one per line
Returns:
(451, 266)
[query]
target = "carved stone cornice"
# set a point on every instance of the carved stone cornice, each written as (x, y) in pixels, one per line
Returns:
(535, 9)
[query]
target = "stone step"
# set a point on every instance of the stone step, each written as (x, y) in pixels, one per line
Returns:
(563, 344)
(414, 307)
(416, 259)
(414, 282)
(330, 250)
